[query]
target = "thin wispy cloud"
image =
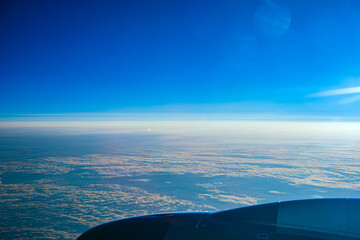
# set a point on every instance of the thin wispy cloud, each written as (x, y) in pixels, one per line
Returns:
(354, 91)
(351, 99)
(336, 92)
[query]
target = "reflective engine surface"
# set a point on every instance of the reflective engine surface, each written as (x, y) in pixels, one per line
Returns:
(316, 219)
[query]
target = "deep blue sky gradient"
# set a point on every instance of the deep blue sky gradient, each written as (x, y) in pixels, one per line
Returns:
(120, 56)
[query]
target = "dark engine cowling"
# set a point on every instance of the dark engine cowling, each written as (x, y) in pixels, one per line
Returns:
(316, 219)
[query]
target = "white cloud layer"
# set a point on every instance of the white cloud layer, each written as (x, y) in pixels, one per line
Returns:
(178, 166)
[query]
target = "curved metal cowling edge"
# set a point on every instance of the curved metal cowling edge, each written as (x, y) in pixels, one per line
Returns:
(333, 215)
(299, 219)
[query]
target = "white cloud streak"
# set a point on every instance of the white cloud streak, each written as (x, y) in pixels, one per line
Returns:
(336, 92)
(349, 100)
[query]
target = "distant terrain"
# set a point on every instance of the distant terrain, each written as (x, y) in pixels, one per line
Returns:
(59, 179)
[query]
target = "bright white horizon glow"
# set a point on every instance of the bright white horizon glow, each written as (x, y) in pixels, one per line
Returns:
(231, 129)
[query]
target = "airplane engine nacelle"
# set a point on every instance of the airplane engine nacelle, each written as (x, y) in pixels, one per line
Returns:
(316, 219)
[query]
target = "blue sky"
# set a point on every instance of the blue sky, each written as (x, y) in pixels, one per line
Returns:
(179, 56)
